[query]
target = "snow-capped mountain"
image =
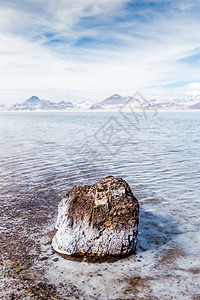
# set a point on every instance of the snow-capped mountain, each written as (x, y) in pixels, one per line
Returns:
(176, 104)
(114, 101)
(34, 103)
(195, 106)
(2, 107)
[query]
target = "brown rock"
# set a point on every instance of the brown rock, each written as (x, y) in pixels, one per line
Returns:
(101, 219)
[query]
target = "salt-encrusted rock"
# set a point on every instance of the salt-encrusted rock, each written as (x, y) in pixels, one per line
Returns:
(101, 219)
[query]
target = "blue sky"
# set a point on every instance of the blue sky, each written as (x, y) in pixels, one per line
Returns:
(88, 49)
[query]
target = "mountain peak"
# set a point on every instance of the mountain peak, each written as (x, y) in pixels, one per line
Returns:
(115, 99)
(32, 100)
(115, 96)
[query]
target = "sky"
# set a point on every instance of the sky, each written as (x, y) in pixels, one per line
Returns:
(87, 50)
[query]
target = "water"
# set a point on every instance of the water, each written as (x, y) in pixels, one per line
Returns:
(158, 156)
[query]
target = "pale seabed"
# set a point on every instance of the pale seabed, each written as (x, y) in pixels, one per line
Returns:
(158, 156)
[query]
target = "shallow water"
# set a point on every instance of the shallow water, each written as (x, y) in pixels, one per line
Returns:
(157, 155)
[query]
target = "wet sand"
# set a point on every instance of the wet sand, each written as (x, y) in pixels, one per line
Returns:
(21, 265)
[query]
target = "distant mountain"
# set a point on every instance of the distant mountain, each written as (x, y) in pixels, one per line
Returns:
(195, 106)
(114, 101)
(34, 103)
(168, 105)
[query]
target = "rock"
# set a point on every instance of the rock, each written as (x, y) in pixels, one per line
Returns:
(99, 219)
(55, 259)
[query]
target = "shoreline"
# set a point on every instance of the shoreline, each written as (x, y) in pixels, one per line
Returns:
(95, 111)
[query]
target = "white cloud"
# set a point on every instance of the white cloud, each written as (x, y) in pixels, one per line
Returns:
(126, 55)
(163, 93)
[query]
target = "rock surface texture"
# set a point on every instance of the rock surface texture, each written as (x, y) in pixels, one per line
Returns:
(100, 219)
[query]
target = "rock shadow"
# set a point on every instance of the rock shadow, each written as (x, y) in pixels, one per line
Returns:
(155, 230)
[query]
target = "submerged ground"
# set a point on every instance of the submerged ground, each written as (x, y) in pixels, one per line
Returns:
(39, 164)
(30, 269)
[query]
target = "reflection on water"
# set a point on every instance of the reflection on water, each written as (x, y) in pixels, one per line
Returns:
(160, 161)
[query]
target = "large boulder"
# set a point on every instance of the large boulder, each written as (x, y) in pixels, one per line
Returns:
(99, 219)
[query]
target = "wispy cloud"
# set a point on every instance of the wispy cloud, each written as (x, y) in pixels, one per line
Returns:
(108, 44)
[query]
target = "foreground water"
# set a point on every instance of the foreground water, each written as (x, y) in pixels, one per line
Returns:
(44, 154)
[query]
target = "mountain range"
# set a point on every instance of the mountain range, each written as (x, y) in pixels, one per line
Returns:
(137, 102)
(34, 103)
(113, 103)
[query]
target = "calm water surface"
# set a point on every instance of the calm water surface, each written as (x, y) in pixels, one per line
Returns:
(158, 156)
